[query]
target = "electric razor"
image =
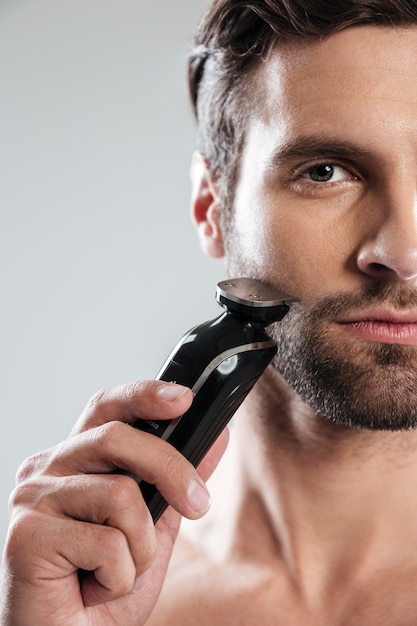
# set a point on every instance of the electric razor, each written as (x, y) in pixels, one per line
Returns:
(220, 361)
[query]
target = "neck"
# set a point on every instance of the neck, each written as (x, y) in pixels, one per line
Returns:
(337, 502)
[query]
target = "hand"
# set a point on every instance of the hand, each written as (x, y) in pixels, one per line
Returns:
(82, 549)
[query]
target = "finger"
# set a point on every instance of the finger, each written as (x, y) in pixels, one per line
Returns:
(55, 549)
(152, 399)
(109, 499)
(118, 446)
(169, 521)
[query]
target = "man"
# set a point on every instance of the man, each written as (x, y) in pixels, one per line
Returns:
(307, 179)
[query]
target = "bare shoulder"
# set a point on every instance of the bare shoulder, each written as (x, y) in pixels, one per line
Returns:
(186, 589)
(200, 591)
(206, 583)
(210, 580)
(196, 580)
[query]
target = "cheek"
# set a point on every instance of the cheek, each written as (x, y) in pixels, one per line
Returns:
(301, 255)
(253, 240)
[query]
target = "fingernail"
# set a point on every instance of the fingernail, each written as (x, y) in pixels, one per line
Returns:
(171, 392)
(198, 497)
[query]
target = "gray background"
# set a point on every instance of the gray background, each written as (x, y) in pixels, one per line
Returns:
(101, 271)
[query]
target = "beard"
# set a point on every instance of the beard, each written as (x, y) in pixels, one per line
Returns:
(352, 382)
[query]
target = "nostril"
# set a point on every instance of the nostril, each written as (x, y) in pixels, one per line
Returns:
(384, 272)
(378, 268)
(379, 271)
(389, 258)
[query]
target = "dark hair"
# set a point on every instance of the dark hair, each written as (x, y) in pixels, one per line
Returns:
(233, 36)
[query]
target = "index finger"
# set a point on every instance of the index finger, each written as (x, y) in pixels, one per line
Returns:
(150, 399)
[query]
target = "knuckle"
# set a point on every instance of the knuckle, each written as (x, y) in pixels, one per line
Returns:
(21, 495)
(31, 494)
(125, 393)
(130, 391)
(108, 437)
(100, 397)
(116, 544)
(32, 465)
(176, 466)
(138, 396)
(21, 534)
(114, 548)
(123, 586)
(25, 469)
(122, 491)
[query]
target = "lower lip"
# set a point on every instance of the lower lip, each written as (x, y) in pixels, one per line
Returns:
(383, 332)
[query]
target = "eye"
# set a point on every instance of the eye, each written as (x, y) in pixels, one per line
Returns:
(325, 173)
(322, 177)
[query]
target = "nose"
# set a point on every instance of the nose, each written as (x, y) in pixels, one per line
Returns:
(390, 253)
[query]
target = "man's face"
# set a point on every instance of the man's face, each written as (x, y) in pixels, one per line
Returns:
(326, 209)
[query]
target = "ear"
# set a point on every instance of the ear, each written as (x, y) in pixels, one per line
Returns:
(205, 207)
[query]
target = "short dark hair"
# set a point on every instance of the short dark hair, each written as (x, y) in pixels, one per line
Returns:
(231, 38)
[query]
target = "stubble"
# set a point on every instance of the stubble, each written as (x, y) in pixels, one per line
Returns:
(352, 382)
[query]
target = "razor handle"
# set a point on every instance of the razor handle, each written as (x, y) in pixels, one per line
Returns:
(220, 361)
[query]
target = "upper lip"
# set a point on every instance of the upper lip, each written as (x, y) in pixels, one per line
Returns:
(381, 315)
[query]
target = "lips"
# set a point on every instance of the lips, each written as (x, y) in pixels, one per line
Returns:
(383, 327)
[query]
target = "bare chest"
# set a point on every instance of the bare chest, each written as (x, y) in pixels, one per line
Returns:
(387, 601)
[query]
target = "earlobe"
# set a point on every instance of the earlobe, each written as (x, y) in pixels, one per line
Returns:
(205, 207)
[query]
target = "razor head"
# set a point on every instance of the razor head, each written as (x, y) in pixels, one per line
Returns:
(253, 300)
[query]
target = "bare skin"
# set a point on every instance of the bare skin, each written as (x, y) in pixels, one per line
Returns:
(69, 513)
(319, 524)
(317, 548)
(313, 523)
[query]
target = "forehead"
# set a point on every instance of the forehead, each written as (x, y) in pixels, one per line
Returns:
(358, 78)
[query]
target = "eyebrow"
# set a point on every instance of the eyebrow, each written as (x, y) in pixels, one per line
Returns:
(312, 147)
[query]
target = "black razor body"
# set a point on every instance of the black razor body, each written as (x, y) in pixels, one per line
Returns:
(220, 361)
